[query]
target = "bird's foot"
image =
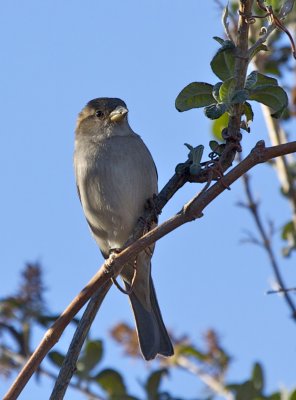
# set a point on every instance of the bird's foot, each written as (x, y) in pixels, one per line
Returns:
(110, 259)
(130, 288)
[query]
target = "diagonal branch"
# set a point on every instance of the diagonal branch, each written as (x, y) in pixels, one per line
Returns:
(69, 365)
(111, 268)
(214, 384)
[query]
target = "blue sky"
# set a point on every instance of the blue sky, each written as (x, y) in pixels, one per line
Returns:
(55, 57)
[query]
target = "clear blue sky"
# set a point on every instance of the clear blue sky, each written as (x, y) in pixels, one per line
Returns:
(57, 55)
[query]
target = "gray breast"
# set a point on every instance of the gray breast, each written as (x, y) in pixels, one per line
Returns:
(115, 179)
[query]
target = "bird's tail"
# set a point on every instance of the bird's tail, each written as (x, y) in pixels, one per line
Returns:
(152, 333)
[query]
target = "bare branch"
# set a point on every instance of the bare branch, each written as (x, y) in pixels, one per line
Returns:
(266, 244)
(281, 290)
(69, 364)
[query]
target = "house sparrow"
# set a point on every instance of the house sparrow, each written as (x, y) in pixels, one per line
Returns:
(115, 176)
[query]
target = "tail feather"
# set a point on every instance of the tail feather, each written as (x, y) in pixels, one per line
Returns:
(152, 333)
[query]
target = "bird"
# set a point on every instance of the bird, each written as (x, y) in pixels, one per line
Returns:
(115, 176)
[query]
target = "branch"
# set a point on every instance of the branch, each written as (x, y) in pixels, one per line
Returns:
(111, 268)
(278, 291)
(69, 364)
(241, 64)
(277, 136)
(262, 39)
(214, 384)
(266, 244)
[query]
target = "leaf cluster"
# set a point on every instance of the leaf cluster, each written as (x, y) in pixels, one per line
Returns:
(218, 99)
(254, 388)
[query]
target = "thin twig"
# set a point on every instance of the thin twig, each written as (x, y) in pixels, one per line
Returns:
(277, 291)
(253, 208)
(262, 38)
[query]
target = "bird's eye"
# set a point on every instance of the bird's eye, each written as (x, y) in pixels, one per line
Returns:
(99, 114)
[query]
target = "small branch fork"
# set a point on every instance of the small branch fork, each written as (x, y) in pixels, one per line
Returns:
(277, 291)
(102, 278)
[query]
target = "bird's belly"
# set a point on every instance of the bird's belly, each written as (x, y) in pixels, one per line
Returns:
(113, 205)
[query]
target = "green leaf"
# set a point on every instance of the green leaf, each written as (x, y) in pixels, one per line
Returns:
(56, 358)
(289, 234)
(262, 47)
(191, 351)
(251, 80)
(239, 96)
(272, 96)
(255, 79)
(292, 395)
(245, 391)
(265, 90)
(248, 111)
(258, 377)
(194, 95)
(226, 90)
(91, 356)
(223, 62)
(111, 382)
(153, 382)
(215, 111)
(218, 39)
(226, 45)
(195, 156)
(215, 92)
(275, 4)
(288, 230)
(229, 95)
(213, 145)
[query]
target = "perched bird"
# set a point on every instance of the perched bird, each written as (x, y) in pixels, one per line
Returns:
(115, 176)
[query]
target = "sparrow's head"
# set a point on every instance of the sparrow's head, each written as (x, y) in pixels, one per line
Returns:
(102, 116)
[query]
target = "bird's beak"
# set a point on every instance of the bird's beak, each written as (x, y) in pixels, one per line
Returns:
(118, 114)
